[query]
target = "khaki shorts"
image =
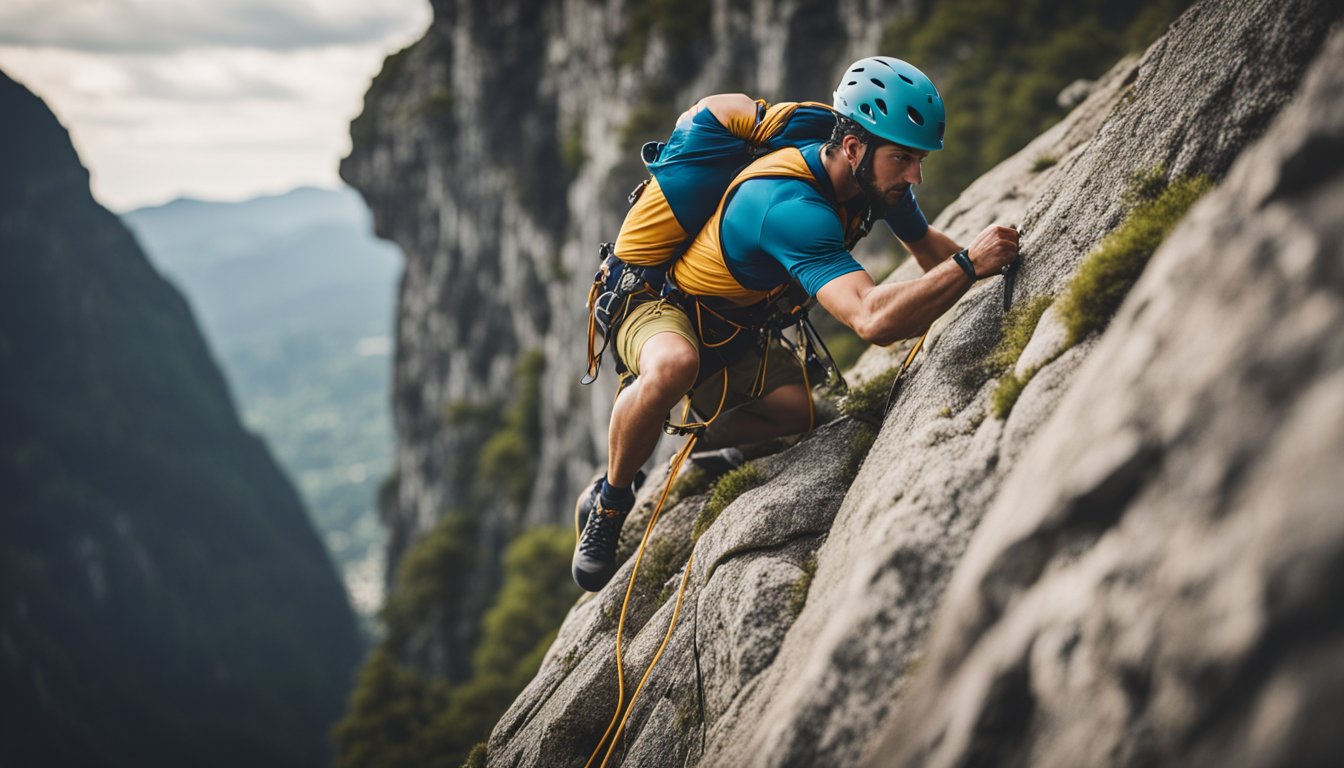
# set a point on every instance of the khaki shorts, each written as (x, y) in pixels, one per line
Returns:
(662, 316)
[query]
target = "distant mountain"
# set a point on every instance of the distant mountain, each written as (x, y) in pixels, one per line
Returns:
(296, 295)
(163, 599)
(300, 261)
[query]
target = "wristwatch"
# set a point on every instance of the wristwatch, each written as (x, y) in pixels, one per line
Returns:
(963, 260)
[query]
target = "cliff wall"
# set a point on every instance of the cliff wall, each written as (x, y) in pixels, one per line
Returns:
(807, 620)
(1128, 564)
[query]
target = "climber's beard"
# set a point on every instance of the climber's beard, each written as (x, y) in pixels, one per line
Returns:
(879, 200)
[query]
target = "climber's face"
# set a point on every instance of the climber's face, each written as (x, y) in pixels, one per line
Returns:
(888, 177)
(893, 170)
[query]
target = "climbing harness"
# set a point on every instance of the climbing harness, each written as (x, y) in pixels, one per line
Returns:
(615, 289)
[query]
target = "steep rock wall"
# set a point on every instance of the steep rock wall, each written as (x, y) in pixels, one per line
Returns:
(742, 682)
(1156, 581)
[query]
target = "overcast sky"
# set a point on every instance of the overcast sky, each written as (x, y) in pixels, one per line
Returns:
(216, 99)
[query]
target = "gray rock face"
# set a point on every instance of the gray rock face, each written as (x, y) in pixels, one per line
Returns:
(1156, 582)
(734, 614)
(1156, 545)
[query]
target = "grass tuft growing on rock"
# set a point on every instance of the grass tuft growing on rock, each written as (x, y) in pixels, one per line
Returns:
(726, 491)
(693, 481)
(866, 401)
(1044, 161)
(1102, 281)
(858, 451)
(660, 562)
(976, 420)
(1144, 186)
(1018, 326)
(1006, 393)
(1106, 275)
(798, 591)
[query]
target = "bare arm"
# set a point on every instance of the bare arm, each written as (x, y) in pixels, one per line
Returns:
(883, 314)
(932, 249)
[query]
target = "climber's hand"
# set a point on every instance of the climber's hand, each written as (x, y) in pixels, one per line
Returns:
(993, 249)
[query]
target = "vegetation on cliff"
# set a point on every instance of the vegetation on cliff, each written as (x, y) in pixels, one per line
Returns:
(1102, 281)
(400, 717)
(1000, 68)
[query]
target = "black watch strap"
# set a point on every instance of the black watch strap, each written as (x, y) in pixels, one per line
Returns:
(963, 260)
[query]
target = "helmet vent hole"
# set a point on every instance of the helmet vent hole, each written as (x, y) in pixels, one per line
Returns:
(906, 79)
(881, 106)
(851, 82)
(915, 117)
(865, 109)
(878, 83)
(940, 130)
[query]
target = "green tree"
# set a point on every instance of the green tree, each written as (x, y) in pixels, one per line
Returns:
(1001, 66)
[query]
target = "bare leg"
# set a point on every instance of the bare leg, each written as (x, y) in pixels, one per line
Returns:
(782, 411)
(668, 365)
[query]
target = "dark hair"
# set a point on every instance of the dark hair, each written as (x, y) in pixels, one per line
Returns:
(845, 126)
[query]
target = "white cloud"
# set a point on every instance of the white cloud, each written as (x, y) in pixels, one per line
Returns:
(140, 26)
(153, 121)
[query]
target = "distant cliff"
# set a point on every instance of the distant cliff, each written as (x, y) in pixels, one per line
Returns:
(165, 600)
(295, 296)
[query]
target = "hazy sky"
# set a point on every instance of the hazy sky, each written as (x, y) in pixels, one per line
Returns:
(218, 99)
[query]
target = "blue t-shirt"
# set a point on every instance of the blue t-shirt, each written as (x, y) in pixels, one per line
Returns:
(777, 229)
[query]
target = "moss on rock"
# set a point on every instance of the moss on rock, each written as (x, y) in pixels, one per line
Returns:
(868, 400)
(1106, 275)
(726, 490)
(798, 591)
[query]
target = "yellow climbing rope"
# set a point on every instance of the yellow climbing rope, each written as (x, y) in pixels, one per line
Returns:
(622, 707)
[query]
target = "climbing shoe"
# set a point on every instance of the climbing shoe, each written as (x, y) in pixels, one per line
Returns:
(590, 498)
(599, 526)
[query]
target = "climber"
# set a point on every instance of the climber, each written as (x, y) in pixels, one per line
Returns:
(790, 217)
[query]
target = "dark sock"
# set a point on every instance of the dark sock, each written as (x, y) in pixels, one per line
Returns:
(617, 498)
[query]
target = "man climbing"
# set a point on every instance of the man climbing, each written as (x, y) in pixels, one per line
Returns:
(789, 218)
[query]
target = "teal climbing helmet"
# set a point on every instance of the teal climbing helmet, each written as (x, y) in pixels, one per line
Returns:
(894, 101)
